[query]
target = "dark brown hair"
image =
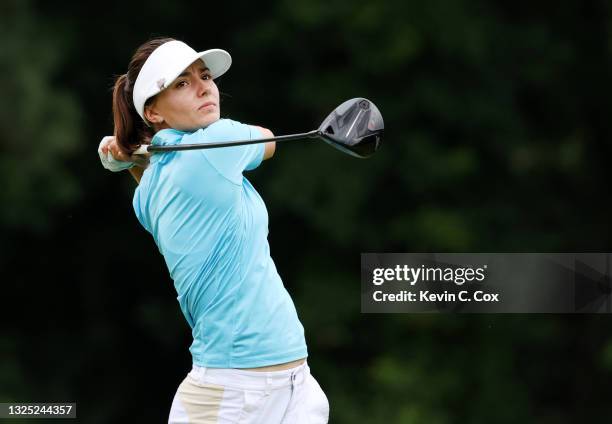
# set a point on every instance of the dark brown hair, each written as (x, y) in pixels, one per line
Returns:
(130, 129)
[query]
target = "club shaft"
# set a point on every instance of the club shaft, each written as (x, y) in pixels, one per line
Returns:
(176, 147)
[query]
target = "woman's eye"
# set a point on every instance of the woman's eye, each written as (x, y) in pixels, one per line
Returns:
(181, 84)
(206, 76)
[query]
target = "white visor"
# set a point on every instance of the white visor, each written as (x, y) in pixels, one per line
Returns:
(167, 62)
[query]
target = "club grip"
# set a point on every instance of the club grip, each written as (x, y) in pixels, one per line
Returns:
(141, 150)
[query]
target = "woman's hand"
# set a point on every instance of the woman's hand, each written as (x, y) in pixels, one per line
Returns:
(115, 160)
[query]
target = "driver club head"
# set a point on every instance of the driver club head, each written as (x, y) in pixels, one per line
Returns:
(355, 127)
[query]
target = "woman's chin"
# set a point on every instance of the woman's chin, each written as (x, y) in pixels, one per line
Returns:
(208, 119)
(200, 123)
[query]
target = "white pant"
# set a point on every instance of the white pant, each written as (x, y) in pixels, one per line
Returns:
(226, 395)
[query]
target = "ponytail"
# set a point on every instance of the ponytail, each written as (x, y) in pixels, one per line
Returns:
(130, 130)
(123, 116)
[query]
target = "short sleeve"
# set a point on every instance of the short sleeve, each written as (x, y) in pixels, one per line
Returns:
(231, 161)
(257, 150)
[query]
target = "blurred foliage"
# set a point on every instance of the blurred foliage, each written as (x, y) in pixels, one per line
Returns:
(497, 140)
(40, 126)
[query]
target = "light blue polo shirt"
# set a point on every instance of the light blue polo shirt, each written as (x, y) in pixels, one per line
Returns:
(211, 226)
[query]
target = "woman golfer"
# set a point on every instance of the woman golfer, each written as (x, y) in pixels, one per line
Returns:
(211, 226)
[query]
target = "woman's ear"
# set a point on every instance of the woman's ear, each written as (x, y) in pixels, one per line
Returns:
(152, 115)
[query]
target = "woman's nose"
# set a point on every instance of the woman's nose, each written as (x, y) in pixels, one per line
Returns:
(203, 87)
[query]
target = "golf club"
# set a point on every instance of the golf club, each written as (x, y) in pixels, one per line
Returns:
(355, 127)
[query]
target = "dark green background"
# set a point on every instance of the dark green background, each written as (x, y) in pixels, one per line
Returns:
(498, 139)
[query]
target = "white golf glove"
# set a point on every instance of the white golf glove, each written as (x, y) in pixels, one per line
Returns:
(108, 161)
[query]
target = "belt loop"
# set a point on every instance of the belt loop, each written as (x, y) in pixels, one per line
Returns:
(268, 385)
(293, 379)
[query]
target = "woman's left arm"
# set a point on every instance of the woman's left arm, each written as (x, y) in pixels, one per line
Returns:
(271, 145)
(137, 163)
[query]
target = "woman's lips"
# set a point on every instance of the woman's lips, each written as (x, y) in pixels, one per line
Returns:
(205, 105)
